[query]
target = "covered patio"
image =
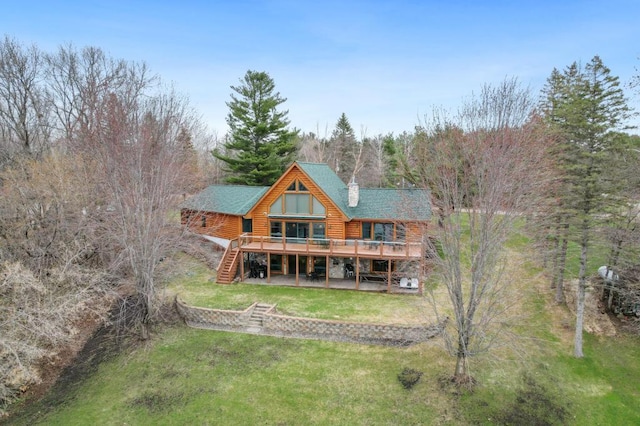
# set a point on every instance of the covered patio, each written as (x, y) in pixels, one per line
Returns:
(332, 283)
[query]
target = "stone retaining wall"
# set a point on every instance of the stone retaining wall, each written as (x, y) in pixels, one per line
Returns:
(309, 328)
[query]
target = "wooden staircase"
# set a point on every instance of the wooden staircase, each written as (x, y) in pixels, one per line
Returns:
(228, 266)
(255, 322)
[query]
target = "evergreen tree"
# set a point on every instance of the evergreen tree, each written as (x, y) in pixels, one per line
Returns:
(343, 149)
(260, 145)
(584, 106)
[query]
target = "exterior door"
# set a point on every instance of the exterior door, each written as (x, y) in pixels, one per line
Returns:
(301, 266)
(297, 231)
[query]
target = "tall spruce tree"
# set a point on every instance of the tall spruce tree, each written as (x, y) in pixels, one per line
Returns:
(585, 106)
(260, 145)
(344, 149)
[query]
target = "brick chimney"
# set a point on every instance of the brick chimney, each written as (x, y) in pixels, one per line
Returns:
(354, 192)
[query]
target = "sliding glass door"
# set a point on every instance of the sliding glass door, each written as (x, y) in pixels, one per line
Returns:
(297, 231)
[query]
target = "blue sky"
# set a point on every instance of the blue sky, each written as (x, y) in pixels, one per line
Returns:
(385, 64)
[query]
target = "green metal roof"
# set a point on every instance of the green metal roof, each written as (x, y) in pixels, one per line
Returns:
(374, 203)
(229, 199)
(392, 204)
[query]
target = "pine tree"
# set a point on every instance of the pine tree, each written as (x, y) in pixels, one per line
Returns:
(260, 145)
(585, 106)
(344, 149)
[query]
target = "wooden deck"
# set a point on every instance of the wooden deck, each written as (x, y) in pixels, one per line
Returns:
(334, 248)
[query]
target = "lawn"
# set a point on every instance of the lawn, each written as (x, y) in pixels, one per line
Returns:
(189, 376)
(193, 282)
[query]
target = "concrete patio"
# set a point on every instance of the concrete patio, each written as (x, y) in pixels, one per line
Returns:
(333, 283)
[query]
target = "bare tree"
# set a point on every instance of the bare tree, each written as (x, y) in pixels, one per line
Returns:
(140, 152)
(313, 147)
(80, 82)
(484, 168)
(51, 274)
(24, 107)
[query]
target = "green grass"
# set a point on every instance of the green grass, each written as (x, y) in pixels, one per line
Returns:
(193, 282)
(600, 389)
(188, 376)
(596, 257)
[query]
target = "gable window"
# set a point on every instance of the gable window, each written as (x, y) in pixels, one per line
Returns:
(318, 207)
(297, 204)
(276, 207)
(297, 186)
(297, 201)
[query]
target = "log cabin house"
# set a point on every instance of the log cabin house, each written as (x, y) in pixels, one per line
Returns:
(311, 226)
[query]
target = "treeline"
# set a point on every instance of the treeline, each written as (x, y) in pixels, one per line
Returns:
(95, 153)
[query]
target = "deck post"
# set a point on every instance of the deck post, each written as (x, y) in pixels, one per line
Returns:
(326, 271)
(389, 275)
(268, 267)
(357, 270)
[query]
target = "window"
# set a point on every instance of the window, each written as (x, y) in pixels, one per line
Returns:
(203, 218)
(297, 230)
(276, 229)
(247, 225)
(275, 262)
(318, 208)
(297, 204)
(366, 230)
(377, 231)
(383, 231)
(276, 207)
(379, 265)
(297, 201)
(319, 230)
(298, 186)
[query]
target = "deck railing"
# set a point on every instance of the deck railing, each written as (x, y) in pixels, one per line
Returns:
(332, 246)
